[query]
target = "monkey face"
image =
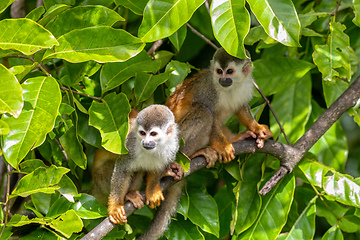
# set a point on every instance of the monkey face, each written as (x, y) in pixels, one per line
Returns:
(150, 139)
(232, 72)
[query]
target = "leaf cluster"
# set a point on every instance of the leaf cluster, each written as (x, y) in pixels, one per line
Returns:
(71, 70)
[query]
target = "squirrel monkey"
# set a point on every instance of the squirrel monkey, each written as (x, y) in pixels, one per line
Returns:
(152, 143)
(202, 104)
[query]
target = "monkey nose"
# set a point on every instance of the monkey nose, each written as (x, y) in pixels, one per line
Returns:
(225, 82)
(149, 145)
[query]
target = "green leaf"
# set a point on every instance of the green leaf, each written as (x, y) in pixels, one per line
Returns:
(177, 39)
(49, 3)
(4, 4)
(333, 90)
(183, 230)
(67, 223)
(67, 188)
(224, 200)
(248, 201)
(334, 233)
(112, 121)
(356, 7)
(164, 17)
(136, 7)
(333, 59)
(88, 207)
(331, 149)
(42, 99)
(4, 128)
(81, 45)
(73, 148)
(181, 158)
(21, 71)
(43, 180)
(76, 72)
(231, 23)
(279, 20)
(36, 13)
(31, 165)
(145, 84)
(84, 16)
(25, 36)
(52, 12)
(203, 210)
(304, 227)
(276, 74)
(11, 97)
(339, 187)
(114, 74)
(274, 210)
(293, 107)
(179, 72)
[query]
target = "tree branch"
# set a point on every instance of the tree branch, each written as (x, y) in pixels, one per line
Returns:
(289, 155)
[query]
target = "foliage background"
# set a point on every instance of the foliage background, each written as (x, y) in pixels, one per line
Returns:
(305, 54)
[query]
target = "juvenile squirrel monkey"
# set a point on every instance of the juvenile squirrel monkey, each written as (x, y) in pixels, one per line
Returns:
(202, 104)
(152, 143)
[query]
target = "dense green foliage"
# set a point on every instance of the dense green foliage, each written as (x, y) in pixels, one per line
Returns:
(71, 70)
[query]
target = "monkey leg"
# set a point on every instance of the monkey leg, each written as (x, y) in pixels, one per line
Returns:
(175, 170)
(153, 192)
(135, 197)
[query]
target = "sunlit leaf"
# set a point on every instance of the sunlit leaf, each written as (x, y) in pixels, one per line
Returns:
(52, 12)
(36, 13)
(4, 128)
(67, 223)
(161, 17)
(80, 45)
(11, 97)
(177, 39)
(73, 148)
(25, 36)
(231, 24)
(21, 71)
(4, 4)
(42, 99)
(279, 20)
(112, 121)
(136, 7)
(88, 207)
(334, 233)
(356, 6)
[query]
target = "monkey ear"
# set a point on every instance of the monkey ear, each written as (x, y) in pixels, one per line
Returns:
(171, 128)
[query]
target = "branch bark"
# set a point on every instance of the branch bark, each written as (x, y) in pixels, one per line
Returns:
(289, 155)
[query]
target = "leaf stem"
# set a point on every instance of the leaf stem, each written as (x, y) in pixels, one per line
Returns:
(202, 36)
(80, 93)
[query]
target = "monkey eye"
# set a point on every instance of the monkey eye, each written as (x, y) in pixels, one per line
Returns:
(153, 134)
(229, 71)
(142, 133)
(219, 71)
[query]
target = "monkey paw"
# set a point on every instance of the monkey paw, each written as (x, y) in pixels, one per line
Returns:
(175, 170)
(263, 132)
(226, 153)
(136, 199)
(154, 199)
(117, 214)
(210, 155)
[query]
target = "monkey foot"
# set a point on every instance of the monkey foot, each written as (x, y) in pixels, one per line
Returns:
(210, 155)
(175, 170)
(136, 198)
(225, 153)
(263, 132)
(117, 214)
(154, 200)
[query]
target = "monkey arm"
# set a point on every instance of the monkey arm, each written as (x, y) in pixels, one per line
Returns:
(153, 192)
(120, 183)
(134, 195)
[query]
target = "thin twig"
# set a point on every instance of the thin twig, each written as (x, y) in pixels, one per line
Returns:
(202, 36)
(80, 93)
(62, 149)
(272, 110)
(7, 202)
(31, 59)
(155, 46)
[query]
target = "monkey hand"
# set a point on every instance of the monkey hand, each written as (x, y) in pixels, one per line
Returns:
(210, 155)
(154, 199)
(117, 214)
(263, 132)
(175, 170)
(136, 198)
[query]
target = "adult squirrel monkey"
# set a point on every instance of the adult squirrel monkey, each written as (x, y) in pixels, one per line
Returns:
(203, 103)
(152, 143)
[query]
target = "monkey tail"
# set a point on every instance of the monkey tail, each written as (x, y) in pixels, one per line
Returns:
(163, 215)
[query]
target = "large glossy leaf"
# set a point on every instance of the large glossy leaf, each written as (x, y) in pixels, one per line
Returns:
(334, 233)
(248, 201)
(84, 16)
(224, 200)
(88, 207)
(67, 223)
(203, 210)
(274, 210)
(42, 99)
(145, 84)
(111, 118)
(277, 74)
(114, 74)
(11, 100)
(80, 45)
(136, 7)
(164, 17)
(4, 128)
(43, 180)
(333, 89)
(339, 187)
(4, 4)
(231, 24)
(356, 6)
(331, 149)
(293, 108)
(279, 20)
(183, 230)
(333, 59)
(304, 227)
(67, 188)
(25, 36)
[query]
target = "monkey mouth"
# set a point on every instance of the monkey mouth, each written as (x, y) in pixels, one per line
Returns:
(225, 82)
